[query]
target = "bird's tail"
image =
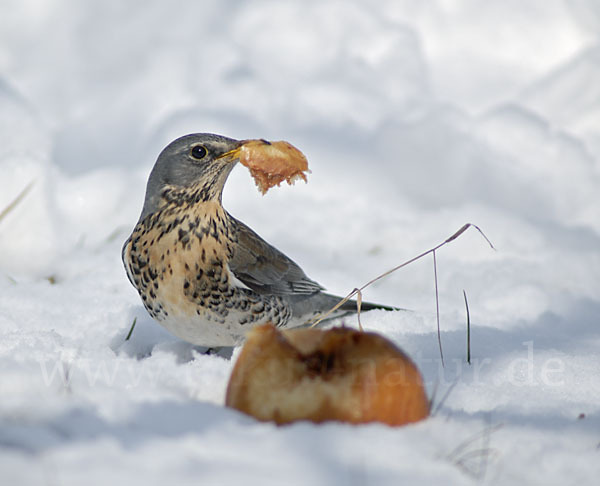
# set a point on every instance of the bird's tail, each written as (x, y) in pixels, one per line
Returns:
(351, 305)
(311, 308)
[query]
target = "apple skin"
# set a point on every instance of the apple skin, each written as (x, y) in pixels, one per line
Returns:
(339, 374)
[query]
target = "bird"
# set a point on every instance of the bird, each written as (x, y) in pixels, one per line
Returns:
(200, 272)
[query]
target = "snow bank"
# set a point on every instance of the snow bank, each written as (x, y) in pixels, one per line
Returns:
(416, 117)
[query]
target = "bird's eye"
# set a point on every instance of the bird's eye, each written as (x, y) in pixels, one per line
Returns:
(198, 152)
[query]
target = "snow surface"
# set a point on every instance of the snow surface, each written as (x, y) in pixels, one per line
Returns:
(416, 117)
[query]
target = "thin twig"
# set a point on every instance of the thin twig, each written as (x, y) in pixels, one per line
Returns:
(16, 201)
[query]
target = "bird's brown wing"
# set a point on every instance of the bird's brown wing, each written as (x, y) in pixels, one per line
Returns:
(264, 268)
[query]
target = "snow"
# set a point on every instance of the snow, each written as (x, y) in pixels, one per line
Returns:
(416, 117)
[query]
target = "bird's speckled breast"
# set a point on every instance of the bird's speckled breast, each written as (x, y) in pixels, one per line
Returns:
(178, 261)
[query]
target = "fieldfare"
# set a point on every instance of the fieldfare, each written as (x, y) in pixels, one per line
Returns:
(201, 273)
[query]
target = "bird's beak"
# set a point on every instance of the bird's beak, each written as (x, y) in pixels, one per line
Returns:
(233, 155)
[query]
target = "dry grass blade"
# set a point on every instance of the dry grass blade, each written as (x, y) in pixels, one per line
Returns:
(324, 315)
(466, 226)
(461, 456)
(437, 308)
(438, 406)
(484, 434)
(468, 329)
(479, 471)
(433, 396)
(116, 233)
(358, 306)
(131, 329)
(16, 201)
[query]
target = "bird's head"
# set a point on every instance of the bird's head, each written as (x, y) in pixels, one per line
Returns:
(192, 167)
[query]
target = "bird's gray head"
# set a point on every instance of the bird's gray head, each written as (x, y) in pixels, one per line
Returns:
(194, 165)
